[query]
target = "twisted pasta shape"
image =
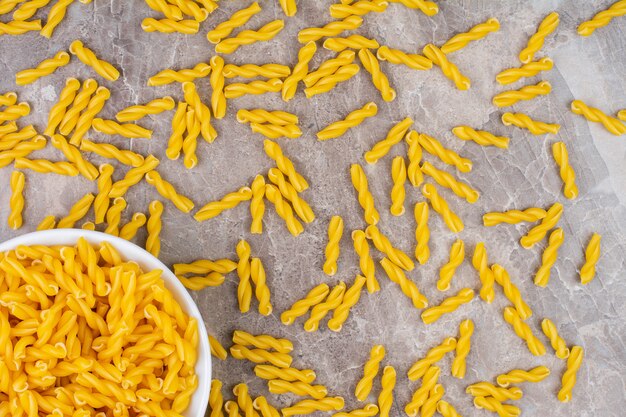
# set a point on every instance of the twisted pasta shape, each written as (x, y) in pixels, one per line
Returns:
(444, 179)
(244, 400)
(244, 289)
(370, 371)
(14, 112)
(284, 210)
(229, 201)
(10, 140)
(133, 176)
(559, 151)
(486, 389)
(310, 406)
(369, 410)
(535, 43)
(531, 214)
(335, 231)
(80, 103)
(49, 222)
(86, 168)
(179, 127)
(84, 122)
(154, 225)
(129, 230)
(169, 10)
(190, 142)
(29, 8)
(11, 127)
(454, 223)
(601, 19)
(538, 232)
(232, 409)
(262, 291)
(508, 98)
(385, 398)
(592, 255)
(47, 167)
(350, 42)
(446, 409)
(238, 19)
(429, 8)
(383, 244)
(430, 405)
(523, 331)
(530, 69)
(289, 7)
(216, 400)
(261, 404)
(301, 307)
(22, 149)
(448, 305)
(10, 98)
(278, 386)
(300, 70)
(329, 67)
(535, 127)
(422, 233)
(319, 311)
(88, 57)
(435, 354)
(558, 344)
(379, 79)
(329, 82)
(19, 27)
(548, 258)
(16, 202)
(359, 8)
(247, 37)
(205, 266)
(236, 90)
(394, 136)
(396, 56)
(262, 341)
(252, 70)
(334, 28)
(44, 68)
(414, 171)
(447, 156)
(366, 200)
(111, 127)
(568, 380)
(350, 299)
(77, 212)
(466, 328)
(366, 263)
(516, 376)
(429, 380)
(167, 190)
(191, 8)
(501, 276)
(107, 150)
(446, 273)
(169, 76)
(257, 205)
(353, 119)
(493, 405)
(407, 286)
(218, 100)
(448, 68)
(203, 114)
(398, 175)
(114, 216)
(276, 131)
(273, 150)
(55, 17)
(592, 114)
(137, 112)
(481, 264)
(479, 31)
(278, 118)
(621, 115)
(187, 27)
(286, 374)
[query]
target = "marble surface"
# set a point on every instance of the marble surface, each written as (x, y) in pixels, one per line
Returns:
(590, 69)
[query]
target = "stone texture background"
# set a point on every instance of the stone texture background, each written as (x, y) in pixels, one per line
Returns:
(591, 69)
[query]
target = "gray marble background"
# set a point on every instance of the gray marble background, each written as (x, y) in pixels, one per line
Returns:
(591, 69)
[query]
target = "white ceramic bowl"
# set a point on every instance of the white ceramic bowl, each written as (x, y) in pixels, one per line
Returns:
(147, 262)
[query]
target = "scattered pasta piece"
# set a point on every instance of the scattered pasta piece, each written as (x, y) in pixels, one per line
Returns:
(8, 99)
(422, 233)
(369, 410)
(329, 82)
(385, 398)
(154, 225)
(244, 288)
(236, 20)
(448, 68)
(319, 311)
(535, 43)
(300, 70)
(613, 125)
(334, 28)
(229, 201)
(87, 57)
(407, 286)
(14, 112)
(495, 406)
(370, 371)
(77, 212)
(479, 31)
(257, 204)
(446, 273)
(260, 403)
(44, 166)
(247, 37)
(429, 380)
(114, 216)
(466, 328)
(382, 243)
(530, 69)
(49, 222)
(568, 381)
(447, 156)
(538, 232)
(170, 11)
(516, 376)
(531, 214)
(262, 291)
(44, 68)
(262, 341)
(252, 70)
(523, 331)
(444, 179)
(450, 304)
(190, 142)
(379, 79)
(558, 344)
(446, 409)
(454, 222)
(305, 407)
(270, 372)
(301, 307)
(529, 92)
(205, 266)
(592, 255)
(602, 18)
(106, 150)
(273, 150)
(559, 152)
(486, 389)
(187, 27)
(302, 389)
(481, 264)
(137, 112)
(351, 42)
(55, 17)
(19, 27)
(366, 263)
(16, 202)
(353, 119)
(216, 400)
(430, 405)
(179, 127)
(284, 210)
(133, 176)
(244, 400)
(358, 8)
(434, 355)
(202, 112)
(85, 120)
(511, 292)
(396, 56)
(335, 232)
(414, 170)
(80, 103)
(365, 197)
(236, 90)
(394, 136)
(533, 126)
(218, 100)
(169, 76)
(86, 168)
(350, 299)
(130, 229)
(167, 190)
(21, 150)
(289, 7)
(398, 175)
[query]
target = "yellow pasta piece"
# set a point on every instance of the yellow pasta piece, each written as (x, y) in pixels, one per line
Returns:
(47, 167)
(319, 311)
(9, 141)
(429, 8)
(257, 204)
(137, 112)
(370, 371)
(107, 150)
(531, 214)
(448, 68)
(236, 90)
(493, 405)
(284, 210)
(329, 82)
(11, 127)
(516, 376)
(87, 57)
(190, 142)
(154, 225)
(350, 299)
(279, 118)
(193, 9)
(29, 8)
(111, 127)
(430, 405)
(282, 360)
(568, 381)
(379, 79)
(273, 150)
(398, 175)
(262, 291)
(501, 276)
(179, 127)
(232, 409)
(262, 341)
(396, 56)
(114, 216)
(481, 137)
(538, 232)
(301, 307)
(448, 305)
(286, 374)
(434, 355)
(429, 380)
(22, 149)
(169, 10)
(353, 119)
(129, 230)
(558, 344)
(602, 18)
(407, 286)
(77, 212)
(434, 147)
(44, 68)
(477, 32)
(169, 76)
(289, 7)
(366, 263)
(508, 98)
(533, 126)
(300, 207)
(446, 273)
(358, 8)
(244, 288)
(84, 122)
(310, 406)
(383, 244)
(238, 19)
(446, 409)
(8, 99)
(422, 233)
(592, 255)
(613, 125)
(444, 179)
(187, 27)
(385, 398)
(216, 400)
(394, 136)
(454, 223)
(523, 331)
(303, 389)
(133, 176)
(19, 27)
(80, 103)
(366, 200)
(168, 191)
(414, 171)
(486, 389)
(49, 222)
(559, 151)
(481, 264)
(244, 400)
(466, 328)
(275, 131)
(86, 168)
(14, 112)
(205, 266)
(369, 410)
(218, 101)
(329, 67)
(333, 28)
(549, 257)
(203, 114)
(261, 404)
(247, 37)
(16, 201)
(55, 17)
(229, 201)
(252, 70)
(335, 231)
(300, 70)
(535, 43)
(351, 42)
(530, 69)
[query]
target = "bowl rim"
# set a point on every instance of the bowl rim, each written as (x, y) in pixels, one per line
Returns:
(200, 398)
